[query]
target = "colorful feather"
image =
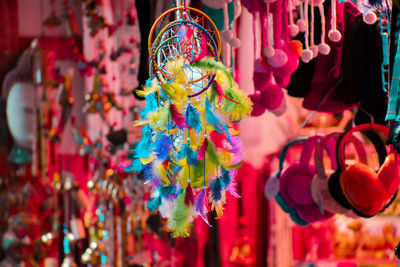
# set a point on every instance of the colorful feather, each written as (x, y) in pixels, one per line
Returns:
(193, 118)
(177, 116)
(211, 118)
(189, 198)
(145, 145)
(241, 107)
(154, 204)
(225, 178)
(209, 64)
(218, 139)
(179, 222)
(202, 151)
(150, 176)
(215, 189)
(163, 146)
(200, 206)
(212, 154)
(151, 105)
(135, 166)
(172, 90)
(203, 50)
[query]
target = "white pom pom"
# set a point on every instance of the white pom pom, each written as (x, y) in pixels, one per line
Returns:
(314, 50)
(269, 51)
(307, 55)
(301, 24)
(324, 49)
(235, 42)
(293, 30)
(334, 35)
(370, 18)
(227, 35)
(279, 59)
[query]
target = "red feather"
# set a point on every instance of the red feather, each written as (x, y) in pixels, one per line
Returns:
(189, 198)
(202, 150)
(177, 116)
(218, 139)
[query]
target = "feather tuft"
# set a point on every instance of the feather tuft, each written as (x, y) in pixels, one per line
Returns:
(218, 139)
(241, 107)
(154, 204)
(212, 154)
(193, 118)
(201, 207)
(163, 146)
(202, 151)
(211, 118)
(179, 222)
(216, 188)
(189, 198)
(177, 116)
(203, 50)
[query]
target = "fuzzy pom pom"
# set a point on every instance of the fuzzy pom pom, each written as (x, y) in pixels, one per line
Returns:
(272, 97)
(235, 42)
(279, 59)
(258, 108)
(227, 35)
(334, 35)
(281, 109)
(370, 18)
(302, 25)
(307, 55)
(314, 50)
(269, 51)
(293, 30)
(324, 49)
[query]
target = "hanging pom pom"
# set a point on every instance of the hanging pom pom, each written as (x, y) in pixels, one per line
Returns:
(293, 30)
(193, 118)
(202, 151)
(334, 35)
(370, 18)
(269, 51)
(189, 198)
(211, 118)
(324, 49)
(177, 116)
(200, 206)
(163, 146)
(179, 222)
(307, 55)
(301, 25)
(279, 59)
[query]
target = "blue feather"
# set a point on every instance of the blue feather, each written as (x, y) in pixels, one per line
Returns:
(154, 204)
(193, 118)
(163, 146)
(211, 118)
(216, 187)
(166, 190)
(150, 176)
(189, 153)
(145, 145)
(151, 105)
(136, 166)
(225, 178)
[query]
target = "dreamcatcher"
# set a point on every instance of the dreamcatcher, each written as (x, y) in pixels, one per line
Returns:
(190, 149)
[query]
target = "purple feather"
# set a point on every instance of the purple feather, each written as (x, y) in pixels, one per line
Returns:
(200, 206)
(236, 149)
(163, 146)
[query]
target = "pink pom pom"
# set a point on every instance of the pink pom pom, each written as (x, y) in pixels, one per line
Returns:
(269, 51)
(324, 49)
(302, 25)
(370, 18)
(293, 30)
(278, 59)
(258, 108)
(260, 67)
(314, 50)
(227, 35)
(272, 97)
(334, 35)
(235, 42)
(281, 109)
(307, 55)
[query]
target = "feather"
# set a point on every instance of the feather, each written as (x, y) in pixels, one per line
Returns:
(193, 118)
(165, 191)
(154, 204)
(150, 176)
(221, 94)
(135, 166)
(179, 222)
(241, 107)
(145, 145)
(218, 139)
(151, 105)
(209, 64)
(172, 90)
(211, 118)
(163, 146)
(225, 178)
(151, 87)
(159, 119)
(216, 188)
(189, 198)
(202, 151)
(203, 50)
(237, 149)
(183, 176)
(212, 153)
(200, 206)
(177, 116)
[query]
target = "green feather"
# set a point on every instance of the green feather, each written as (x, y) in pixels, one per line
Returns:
(212, 153)
(179, 222)
(238, 110)
(209, 64)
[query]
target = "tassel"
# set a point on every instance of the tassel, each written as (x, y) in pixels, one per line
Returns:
(211, 118)
(200, 206)
(189, 198)
(179, 222)
(202, 151)
(218, 139)
(193, 118)
(163, 147)
(177, 116)
(154, 204)
(216, 188)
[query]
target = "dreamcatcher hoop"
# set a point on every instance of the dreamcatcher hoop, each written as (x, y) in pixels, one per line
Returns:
(165, 44)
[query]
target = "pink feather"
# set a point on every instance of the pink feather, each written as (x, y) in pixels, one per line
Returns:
(189, 198)
(202, 151)
(218, 139)
(177, 116)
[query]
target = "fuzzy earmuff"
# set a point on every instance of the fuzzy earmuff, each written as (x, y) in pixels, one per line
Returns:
(367, 192)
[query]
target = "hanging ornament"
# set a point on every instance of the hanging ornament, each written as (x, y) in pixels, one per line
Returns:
(190, 149)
